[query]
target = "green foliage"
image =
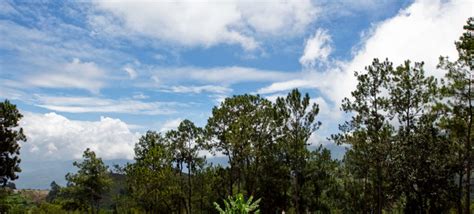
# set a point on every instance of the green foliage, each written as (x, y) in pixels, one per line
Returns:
(423, 166)
(185, 143)
(238, 128)
(152, 181)
(10, 135)
(85, 188)
(369, 132)
(458, 93)
(238, 205)
(48, 208)
(11, 202)
(296, 121)
(53, 192)
(320, 188)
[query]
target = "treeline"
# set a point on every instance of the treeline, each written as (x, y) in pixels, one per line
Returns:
(408, 138)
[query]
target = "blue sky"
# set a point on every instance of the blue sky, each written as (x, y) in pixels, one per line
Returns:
(99, 74)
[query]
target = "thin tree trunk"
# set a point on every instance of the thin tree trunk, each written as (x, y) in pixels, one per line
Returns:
(181, 185)
(379, 190)
(231, 176)
(460, 186)
(379, 167)
(468, 153)
(190, 189)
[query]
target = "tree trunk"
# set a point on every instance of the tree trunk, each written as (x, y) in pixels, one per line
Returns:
(180, 166)
(379, 190)
(231, 176)
(460, 186)
(189, 189)
(468, 152)
(297, 194)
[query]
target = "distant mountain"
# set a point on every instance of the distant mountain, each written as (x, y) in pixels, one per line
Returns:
(40, 174)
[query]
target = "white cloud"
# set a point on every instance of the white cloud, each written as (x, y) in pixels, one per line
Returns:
(218, 98)
(422, 32)
(55, 137)
(170, 124)
(274, 97)
(205, 23)
(140, 96)
(94, 104)
(54, 54)
(219, 75)
(286, 85)
(76, 74)
(317, 48)
(51, 44)
(199, 89)
(131, 72)
(8, 91)
(326, 110)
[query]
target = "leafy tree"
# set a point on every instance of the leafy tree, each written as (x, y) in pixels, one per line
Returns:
(320, 182)
(351, 192)
(10, 135)
(151, 179)
(238, 205)
(296, 119)
(458, 93)
(209, 186)
(273, 177)
(238, 128)
(185, 143)
(423, 168)
(369, 132)
(46, 208)
(90, 182)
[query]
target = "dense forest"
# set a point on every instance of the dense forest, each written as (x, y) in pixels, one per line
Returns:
(409, 150)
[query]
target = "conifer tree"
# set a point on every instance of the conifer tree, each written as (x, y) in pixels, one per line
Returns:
(10, 136)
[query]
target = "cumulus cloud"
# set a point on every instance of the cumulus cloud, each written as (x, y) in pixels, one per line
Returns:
(421, 32)
(317, 48)
(54, 137)
(205, 23)
(76, 74)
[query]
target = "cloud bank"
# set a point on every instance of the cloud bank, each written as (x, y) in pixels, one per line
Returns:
(54, 137)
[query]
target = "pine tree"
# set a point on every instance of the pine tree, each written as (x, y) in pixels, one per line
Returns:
(91, 181)
(10, 136)
(423, 169)
(296, 122)
(458, 92)
(185, 143)
(369, 134)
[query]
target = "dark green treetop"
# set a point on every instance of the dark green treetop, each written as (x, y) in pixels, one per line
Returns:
(10, 135)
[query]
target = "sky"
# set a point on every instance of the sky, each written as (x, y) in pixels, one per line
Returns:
(99, 74)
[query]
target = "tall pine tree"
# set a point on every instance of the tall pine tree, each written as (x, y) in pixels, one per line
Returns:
(10, 135)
